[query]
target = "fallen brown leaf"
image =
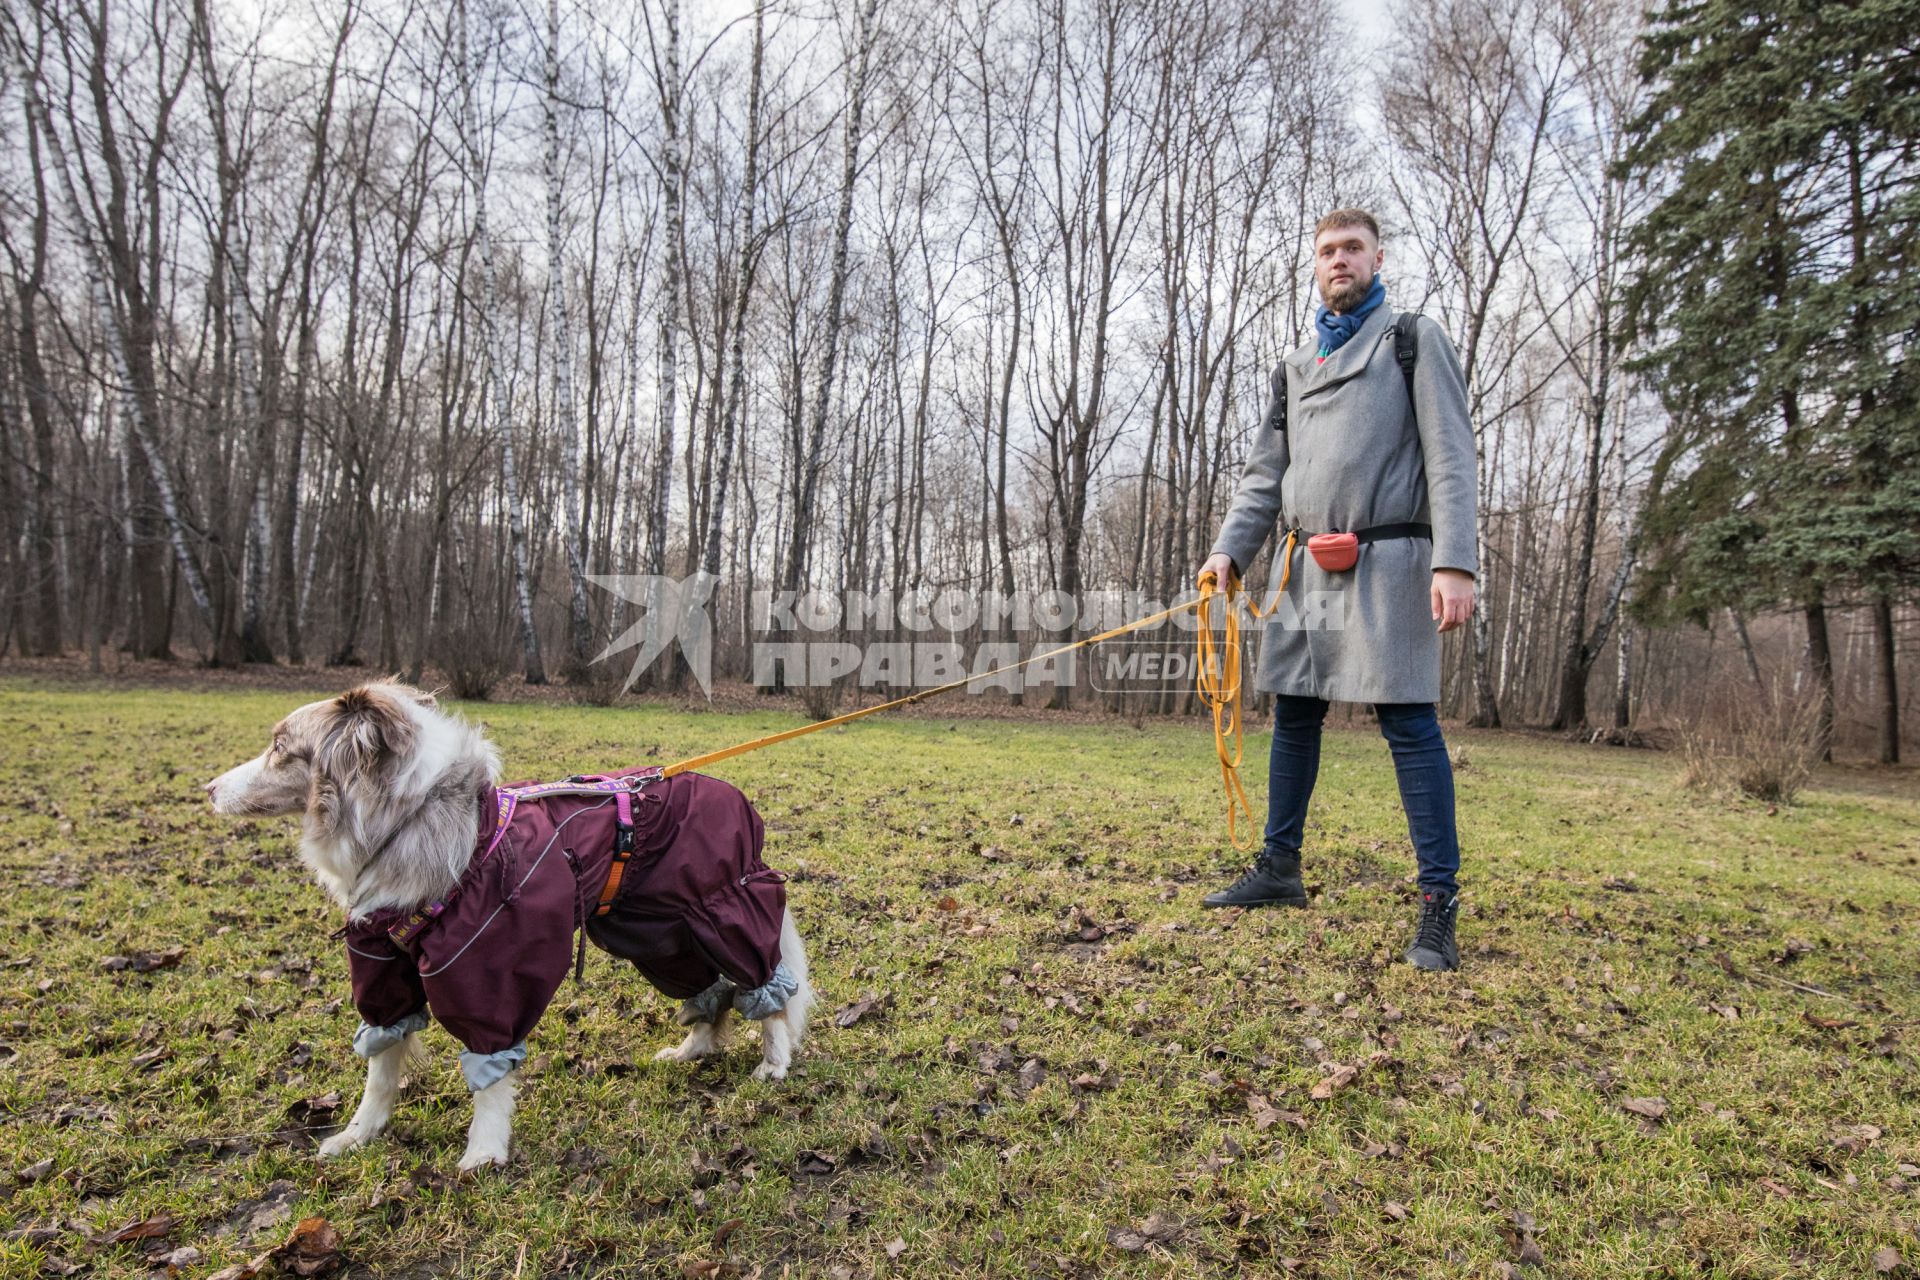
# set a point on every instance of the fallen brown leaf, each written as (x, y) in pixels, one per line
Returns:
(1341, 1076)
(1156, 1228)
(1855, 1138)
(1826, 1024)
(1395, 1210)
(1886, 1261)
(859, 1009)
(144, 961)
(313, 1249)
(153, 1228)
(1649, 1108)
(244, 1270)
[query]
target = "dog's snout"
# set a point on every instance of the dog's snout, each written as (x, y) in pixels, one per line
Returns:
(212, 789)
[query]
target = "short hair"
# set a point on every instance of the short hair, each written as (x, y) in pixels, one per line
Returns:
(1347, 218)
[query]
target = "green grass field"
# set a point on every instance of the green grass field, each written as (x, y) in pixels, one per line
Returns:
(1061, 1065)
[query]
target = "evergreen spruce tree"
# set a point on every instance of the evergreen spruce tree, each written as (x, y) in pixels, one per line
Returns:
(1775, 299)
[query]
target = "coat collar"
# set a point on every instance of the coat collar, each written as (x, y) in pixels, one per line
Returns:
(1350, 359)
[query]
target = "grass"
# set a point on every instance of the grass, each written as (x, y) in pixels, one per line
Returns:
(1069, 1067)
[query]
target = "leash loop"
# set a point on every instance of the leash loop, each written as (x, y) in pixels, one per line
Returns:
(1218, 679)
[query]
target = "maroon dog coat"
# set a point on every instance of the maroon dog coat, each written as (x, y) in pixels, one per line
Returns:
(696, 907)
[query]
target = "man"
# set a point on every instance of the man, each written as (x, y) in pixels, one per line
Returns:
(1358, 441)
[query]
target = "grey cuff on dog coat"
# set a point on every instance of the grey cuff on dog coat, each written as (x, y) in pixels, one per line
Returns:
(761, 1002)
(370, 1041)
(484, 1069)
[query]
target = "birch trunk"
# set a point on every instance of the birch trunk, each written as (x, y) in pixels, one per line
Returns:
(137, 397)
(502, 409)
(810, 463)
(255, 644)
(564, 420)
(673, 197)
(742, 294)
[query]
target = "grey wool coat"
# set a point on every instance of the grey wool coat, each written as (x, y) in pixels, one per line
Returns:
(1355, 453)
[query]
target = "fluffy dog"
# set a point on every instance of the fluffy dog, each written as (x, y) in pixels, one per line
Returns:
(465, 899)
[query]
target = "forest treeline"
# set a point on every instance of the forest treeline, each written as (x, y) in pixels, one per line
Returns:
(368, 333)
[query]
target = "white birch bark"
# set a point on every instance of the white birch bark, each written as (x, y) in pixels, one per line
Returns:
(742, 294)
(496, 375)
(667, 78)
(562, 365)
(810, 464)
(144, 431)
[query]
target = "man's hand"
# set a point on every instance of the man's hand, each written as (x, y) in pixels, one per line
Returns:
(1220, 565)
(1452, 598)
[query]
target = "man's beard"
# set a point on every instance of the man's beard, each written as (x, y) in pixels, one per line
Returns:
(1343, 298)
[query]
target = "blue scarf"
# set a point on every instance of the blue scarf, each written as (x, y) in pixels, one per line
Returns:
(1336, 329)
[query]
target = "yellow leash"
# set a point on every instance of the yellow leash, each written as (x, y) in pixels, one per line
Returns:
(1217, 680)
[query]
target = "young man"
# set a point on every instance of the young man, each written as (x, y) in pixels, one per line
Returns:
(1352, 443)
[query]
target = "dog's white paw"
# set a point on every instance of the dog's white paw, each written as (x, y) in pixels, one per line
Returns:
(673, 1053)
(341, 1143)
(482, 1158)
(769, 1071)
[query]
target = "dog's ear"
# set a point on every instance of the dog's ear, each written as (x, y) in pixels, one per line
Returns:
(418, 697)
(365, 728)
(359, 732)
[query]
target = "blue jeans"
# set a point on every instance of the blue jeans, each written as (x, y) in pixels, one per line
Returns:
(1412, 730)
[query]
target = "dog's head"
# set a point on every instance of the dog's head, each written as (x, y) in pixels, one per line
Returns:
(326, 750)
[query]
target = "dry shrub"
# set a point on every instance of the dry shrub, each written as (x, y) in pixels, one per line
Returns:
(822, 701)
(601, 684)
(1765, 748)
(475, 658)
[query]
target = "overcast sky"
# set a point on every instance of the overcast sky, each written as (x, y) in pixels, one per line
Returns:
(1371, 17)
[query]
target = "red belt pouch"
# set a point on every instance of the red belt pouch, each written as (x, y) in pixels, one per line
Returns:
(1334, 552)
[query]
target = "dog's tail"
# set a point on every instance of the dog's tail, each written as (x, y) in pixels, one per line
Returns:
(793, 953)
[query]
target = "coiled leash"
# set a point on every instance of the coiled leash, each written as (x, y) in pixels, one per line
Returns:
(1217, 681)
(1218, 676)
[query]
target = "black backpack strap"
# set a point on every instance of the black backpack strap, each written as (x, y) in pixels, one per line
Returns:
(1277, 414)
(1406, 348)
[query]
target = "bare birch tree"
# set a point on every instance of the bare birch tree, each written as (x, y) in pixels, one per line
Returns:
(502, 405)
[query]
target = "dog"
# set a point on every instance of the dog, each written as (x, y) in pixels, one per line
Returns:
(405, 828)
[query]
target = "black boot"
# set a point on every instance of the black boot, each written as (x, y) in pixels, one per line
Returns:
(1272, 881)
(1433, 946)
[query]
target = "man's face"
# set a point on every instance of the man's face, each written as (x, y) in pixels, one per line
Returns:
(1344, 262)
